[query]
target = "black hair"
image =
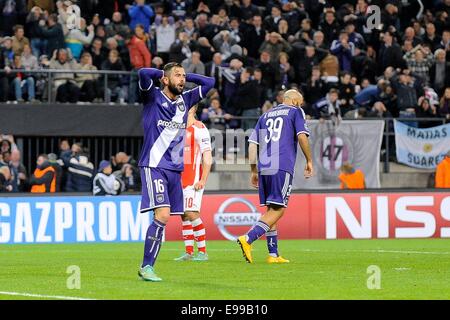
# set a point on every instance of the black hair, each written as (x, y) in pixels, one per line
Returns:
(169, 66)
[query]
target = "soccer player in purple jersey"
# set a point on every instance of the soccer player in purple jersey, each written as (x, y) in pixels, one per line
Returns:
(161, 163)
(276, 135)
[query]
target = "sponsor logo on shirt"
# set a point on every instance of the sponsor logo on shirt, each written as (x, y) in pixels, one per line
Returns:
(171, 124)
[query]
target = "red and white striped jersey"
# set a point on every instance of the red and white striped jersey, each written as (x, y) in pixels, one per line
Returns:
(197, 142)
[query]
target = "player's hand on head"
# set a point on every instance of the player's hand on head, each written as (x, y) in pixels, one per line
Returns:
(309, 171)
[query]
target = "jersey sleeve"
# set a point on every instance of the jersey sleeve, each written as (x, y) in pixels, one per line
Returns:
(254, 137)
(203, 139)
(146, 76)
(300, 125)
(193, 96)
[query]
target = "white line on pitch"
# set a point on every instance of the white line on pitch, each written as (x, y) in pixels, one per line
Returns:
(32, 295)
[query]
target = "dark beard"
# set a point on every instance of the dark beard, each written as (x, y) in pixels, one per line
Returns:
(174, 90)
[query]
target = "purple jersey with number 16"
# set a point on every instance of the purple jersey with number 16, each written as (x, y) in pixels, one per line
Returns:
(164, 120)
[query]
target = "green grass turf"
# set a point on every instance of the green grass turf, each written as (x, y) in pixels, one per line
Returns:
(410, 269)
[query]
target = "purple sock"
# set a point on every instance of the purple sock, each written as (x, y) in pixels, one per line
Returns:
(257, 231)
(153, 242)
(272, 242)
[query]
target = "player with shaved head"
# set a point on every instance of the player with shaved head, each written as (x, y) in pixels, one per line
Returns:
(276, 135)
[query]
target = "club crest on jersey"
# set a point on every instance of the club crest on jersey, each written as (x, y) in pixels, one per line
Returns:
(159, 198)
(181, 106)
(165, 105)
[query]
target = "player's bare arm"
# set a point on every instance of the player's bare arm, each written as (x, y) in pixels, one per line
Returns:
(252, 155)
(306, 149)
(206, 166)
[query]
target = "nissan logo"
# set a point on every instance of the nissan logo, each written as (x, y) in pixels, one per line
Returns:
(223, 219)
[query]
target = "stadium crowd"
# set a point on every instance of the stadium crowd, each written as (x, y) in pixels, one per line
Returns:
(255, 49)
(68, 171)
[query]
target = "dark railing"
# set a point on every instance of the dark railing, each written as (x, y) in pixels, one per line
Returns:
(104, 147)
(51, 72)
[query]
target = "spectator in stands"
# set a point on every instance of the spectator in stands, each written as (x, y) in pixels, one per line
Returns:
(105, 183)
(38, 43)
(346, 92)
(7, 143)
(231, 82)
(204, 47)
(275, 44)
(116, 83)
(371, 94)
(76, 39)
(248, 99)
(442, 178)
(11, 11)
(268, 70)
(22, 82)
(80, 173)
(406, 93)
(120, 159)
(194, 64)
(19, 171)
(419, 60)
(430, 37)
(5, 179)
(410, 35)
(53, 33)
(329, 106)
(390, 54)
(215, 69)
(271, 22)
(425, 110)
(140, 57)
(19, 39)
(64, 84)
(440, 72)
(223, 41)
(329, 26)
(8, 53)
(444, 105)
(28, 60)
(53, 161)
(140, 14)
(98, 52)
(126, 168)
(44, 177)
(254, 36)
(88, 83)
(65, 152)
(118, 29)
(285, 73)
(344, 50)
(315, 87)
(379, 110)
(181, 48)
(351, 178)
(4, 83)
(165, 35)
(214, 116)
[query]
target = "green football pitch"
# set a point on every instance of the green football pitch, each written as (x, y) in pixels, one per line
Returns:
(408, 269)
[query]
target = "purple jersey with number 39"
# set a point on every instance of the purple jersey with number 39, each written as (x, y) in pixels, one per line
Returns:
(276, 134)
